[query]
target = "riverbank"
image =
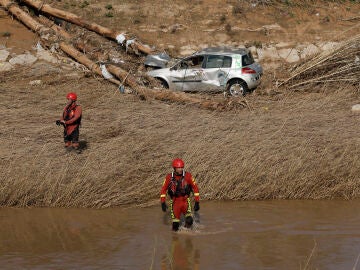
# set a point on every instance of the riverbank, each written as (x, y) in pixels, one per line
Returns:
(283, 144)
(291, 145)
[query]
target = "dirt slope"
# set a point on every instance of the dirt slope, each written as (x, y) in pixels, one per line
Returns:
(169, 25)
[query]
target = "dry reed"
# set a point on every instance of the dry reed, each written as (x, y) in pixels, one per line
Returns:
(339, 64)
(293, 146)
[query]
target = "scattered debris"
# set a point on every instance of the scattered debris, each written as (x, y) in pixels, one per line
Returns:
(35, 82)
(355, 108)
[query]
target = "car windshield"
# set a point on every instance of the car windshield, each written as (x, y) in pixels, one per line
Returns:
(247, 59)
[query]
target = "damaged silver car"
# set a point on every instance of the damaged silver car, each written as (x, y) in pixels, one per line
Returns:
(233, 71)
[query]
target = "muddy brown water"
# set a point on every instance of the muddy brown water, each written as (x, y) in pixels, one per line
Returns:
(227, 235)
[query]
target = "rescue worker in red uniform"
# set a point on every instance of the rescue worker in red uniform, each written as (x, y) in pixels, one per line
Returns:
(179, 185)
(71, 120)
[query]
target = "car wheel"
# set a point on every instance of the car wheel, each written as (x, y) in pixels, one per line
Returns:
(237, 88)
(164, 84)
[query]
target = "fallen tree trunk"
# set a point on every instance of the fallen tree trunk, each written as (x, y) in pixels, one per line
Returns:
(51, 24)
(24, 17)
(81, 58)
(41, 29)
(123, 75)
(70, 17)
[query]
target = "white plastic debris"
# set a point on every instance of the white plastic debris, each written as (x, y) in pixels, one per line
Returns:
(120, 38)
(38, 47)
(117, 60)
(105, 72)
(129, 42)
(356, 108)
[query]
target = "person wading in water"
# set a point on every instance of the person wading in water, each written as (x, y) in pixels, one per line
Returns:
(179, 185)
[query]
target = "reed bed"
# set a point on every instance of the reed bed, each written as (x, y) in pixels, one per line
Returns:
(331, 67)
(289, 146)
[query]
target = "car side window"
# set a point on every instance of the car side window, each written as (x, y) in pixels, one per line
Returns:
(196, 61)
(227, 62)
(192, 62)
(218, 61)
(247, 59)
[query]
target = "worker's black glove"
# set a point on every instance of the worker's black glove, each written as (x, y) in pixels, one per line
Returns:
(197, 206)
(163, 207)
(59, 123)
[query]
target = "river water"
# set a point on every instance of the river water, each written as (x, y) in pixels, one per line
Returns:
(227, 235)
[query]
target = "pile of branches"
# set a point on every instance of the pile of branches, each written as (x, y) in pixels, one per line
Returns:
(42, 22)
(339, 64)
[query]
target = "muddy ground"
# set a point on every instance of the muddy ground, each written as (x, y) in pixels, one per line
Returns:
(295, 145)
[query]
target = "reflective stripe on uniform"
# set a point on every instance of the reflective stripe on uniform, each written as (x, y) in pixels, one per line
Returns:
(162, 196)
(172, 210)
(189, 206)
(196, 194)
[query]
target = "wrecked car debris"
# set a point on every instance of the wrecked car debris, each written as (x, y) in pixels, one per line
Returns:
(231, 70)
(160, 60)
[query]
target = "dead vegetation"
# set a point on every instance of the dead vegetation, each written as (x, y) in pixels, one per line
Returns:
(337, 65)
(290, 146)
(287, 145)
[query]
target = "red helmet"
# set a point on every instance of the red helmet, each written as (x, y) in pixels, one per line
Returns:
(71, 96)
(178, 163)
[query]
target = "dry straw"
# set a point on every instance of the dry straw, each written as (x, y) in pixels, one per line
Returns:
(338, 64)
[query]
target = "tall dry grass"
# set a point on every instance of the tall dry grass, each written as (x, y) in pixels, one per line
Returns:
(339, 64)
(290, 146)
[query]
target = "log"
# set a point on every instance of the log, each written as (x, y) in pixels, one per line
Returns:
(40, 29)
(51, 24)
(124, 76)
(75, 19)
(24, 17)
(81, 58)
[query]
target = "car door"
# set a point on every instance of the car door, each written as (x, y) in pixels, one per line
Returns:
(216, 70)
(176, 75)
(193, 76)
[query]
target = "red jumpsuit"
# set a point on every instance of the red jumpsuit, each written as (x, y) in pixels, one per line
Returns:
(72, 117)
(179, 188)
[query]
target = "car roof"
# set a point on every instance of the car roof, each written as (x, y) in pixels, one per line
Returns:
(223, 51)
